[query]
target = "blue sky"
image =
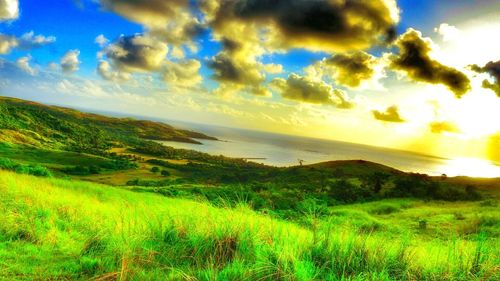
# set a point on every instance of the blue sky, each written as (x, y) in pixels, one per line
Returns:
(309, 78)
(76, 27)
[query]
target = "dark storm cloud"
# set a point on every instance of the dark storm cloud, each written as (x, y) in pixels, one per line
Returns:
(317, 24)
(414, 60)
(391, 114)
(493, 69)
(225, 69)
(137, 53)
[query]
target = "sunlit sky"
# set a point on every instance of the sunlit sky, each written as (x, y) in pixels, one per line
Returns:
(414, 75)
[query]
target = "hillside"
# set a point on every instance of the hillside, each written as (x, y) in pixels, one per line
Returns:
(176, 214)
(48, 230)
(35, 124)
(52, 141)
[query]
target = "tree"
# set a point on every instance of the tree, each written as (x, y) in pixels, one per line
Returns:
(376, 181)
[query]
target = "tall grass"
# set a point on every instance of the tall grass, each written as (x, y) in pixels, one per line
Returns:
(61, 230)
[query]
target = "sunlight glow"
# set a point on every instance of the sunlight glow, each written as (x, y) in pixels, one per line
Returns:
(471, 167)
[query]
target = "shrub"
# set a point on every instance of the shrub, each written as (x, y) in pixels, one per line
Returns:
(155, 169)
(39, 171)
(35, 170)
(7, 164)
(347, 192)
(165, 173)
(313, 207)
(78, 171)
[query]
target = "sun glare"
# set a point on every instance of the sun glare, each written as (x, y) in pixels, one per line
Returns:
(472, 167)
(476, 114)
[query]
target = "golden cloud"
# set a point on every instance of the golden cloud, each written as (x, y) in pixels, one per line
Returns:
(346, 69)
(305, 89)
(182, 73)
(439, 127)
(391, 114)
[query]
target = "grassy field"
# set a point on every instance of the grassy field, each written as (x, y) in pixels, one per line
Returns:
(55, 229)
(110, 204)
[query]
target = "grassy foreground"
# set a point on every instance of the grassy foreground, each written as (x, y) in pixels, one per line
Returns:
(54, 229)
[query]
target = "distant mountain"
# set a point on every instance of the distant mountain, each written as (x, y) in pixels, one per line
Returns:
(35, 124)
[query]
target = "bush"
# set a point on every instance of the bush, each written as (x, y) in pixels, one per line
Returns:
(78, 171)
(421, 186)
(165, 173)
(155, 170)
(39, 171)
(313, 207)
(347, 192)
(35, 170)
(7, 164)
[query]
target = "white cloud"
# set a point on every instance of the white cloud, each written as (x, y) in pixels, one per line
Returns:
(105, 70)
(7, 43)
(70, 62)
(448, 32)
(101, 40)
(9, 9)
(30, 41)
(24, 64)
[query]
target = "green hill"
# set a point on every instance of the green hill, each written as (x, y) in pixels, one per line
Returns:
(54, 229)
(109, 203)
(25, 122)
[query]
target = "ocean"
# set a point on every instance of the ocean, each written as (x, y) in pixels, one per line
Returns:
(286, 150)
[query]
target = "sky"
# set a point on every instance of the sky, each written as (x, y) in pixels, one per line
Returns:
(414, 75)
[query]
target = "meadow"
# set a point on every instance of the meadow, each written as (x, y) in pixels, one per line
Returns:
(69, 230)
(84, 197)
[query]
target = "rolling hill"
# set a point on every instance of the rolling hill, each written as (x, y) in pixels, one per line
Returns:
(25, 122)
(89, 197)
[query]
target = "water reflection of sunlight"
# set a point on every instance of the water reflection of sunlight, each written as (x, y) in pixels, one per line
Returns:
(470, 167)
